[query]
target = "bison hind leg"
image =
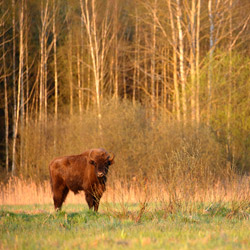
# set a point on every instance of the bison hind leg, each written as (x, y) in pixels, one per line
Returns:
(60, 196)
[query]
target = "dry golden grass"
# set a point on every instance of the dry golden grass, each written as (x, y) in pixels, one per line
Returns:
(22, 192)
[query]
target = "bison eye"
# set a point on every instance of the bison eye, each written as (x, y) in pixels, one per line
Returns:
(92, 162)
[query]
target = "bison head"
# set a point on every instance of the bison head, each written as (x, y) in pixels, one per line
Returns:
(101, 160)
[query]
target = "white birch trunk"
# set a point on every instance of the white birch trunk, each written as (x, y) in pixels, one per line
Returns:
(55, 59)
(14, 84)
(20, 79)
(6, 109)
(181, 62)
(175, 78)
(192, 60)
(211, 49)
(197, 63)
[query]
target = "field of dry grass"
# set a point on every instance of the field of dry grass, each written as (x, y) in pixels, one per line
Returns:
(24, 192)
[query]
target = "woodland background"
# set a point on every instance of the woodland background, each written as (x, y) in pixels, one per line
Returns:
(163, 84)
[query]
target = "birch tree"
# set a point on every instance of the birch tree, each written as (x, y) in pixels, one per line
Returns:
(14, 120)
(211, 50)
(197, 62)
(44, 53)
(181, 61)
(174, 62)
(55, 58)
(4, 76)
(19, 86)
(99, 41)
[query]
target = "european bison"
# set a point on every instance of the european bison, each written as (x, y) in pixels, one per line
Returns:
(86, 172)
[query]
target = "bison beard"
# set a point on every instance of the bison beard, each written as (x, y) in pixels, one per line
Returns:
(86, 172)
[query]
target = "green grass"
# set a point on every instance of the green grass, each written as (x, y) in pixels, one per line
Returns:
(211, 226)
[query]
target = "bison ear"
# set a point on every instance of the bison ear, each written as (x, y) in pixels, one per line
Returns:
(111, 159)
(91, 158)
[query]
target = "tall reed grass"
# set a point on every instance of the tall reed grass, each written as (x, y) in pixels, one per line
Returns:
(19, 191)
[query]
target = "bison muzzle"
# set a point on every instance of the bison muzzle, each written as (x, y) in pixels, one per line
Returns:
(85, 172)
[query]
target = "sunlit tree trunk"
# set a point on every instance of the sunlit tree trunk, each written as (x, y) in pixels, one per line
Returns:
(165, 82)
(153, 58)
(6, 109)
(79, 80)
(145, 61)
(197, 62)
(89, 93)
(19, 86)
(229, 104)
(55, 59)
(192, 60)
(175, 77)
(70, 61)
(26, 62)
(181, 62)
(27, 98)
(90, 25)
(14, 84)
(210, 69)
(124, 77)
(115, 30)
(99, 41)
(42, 60)
(136, 66)
(45, 47)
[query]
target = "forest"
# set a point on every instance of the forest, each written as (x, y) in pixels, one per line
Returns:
(163, 84)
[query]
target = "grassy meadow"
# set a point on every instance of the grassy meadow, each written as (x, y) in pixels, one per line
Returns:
(211, 226)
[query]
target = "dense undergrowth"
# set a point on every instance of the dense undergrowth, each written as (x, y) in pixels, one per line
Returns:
(144, 148)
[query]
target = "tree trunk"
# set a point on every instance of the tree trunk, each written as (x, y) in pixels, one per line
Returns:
(20, 82)
(192, 61)
(175, 77)
(181, 62)
(197, 62)
(41, 90)
(152, 68)
(79, 79)
(210, 69)
(55, 59)
(14, 85)
(70, 71)
(6, 109)
(98, 47)
(229, 104)
(116, 88)
(136, 66)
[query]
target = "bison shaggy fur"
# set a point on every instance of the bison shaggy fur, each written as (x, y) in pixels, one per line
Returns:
(84, 172)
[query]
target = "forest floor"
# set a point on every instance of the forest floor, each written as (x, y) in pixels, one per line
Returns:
(121, 226)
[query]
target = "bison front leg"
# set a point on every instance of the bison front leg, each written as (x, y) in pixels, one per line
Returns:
(97, 196)
(96, 203)
(93, 201)
(90, 200)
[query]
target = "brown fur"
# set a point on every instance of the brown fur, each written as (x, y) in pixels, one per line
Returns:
(86, 172)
